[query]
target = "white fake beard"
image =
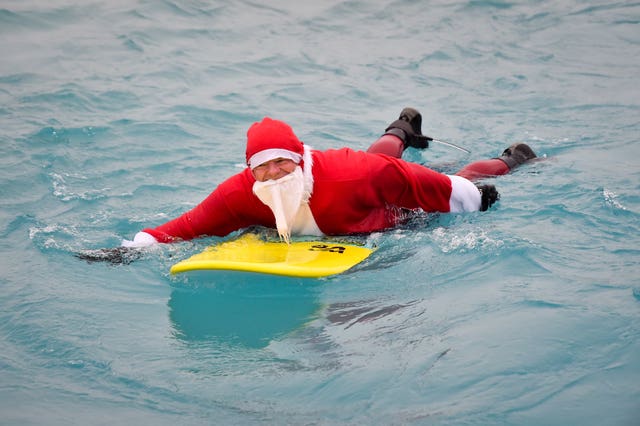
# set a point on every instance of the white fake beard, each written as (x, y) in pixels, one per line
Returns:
(284, 197)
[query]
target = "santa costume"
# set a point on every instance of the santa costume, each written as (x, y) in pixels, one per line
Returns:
(345, 192)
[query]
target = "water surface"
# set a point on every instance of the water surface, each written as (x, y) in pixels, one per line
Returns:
(119, 115)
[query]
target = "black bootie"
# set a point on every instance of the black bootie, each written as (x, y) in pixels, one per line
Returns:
(408, 127)
(488, 196)
(517, 154)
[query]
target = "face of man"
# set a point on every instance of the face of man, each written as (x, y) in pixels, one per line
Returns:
(273, 169)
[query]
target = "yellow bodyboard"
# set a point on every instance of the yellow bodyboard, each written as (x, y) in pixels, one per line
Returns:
(310, 259)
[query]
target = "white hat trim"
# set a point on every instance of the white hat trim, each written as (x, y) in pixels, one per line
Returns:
(271, 154)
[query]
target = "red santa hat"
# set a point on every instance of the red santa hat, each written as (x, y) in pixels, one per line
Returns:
(270, 139)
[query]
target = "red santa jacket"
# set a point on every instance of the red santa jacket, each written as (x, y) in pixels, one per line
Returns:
(353, 192)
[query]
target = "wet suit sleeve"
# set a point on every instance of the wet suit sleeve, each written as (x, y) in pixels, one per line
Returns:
(231, 206)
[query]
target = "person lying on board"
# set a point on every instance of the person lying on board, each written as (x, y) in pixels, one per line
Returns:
(298, 190)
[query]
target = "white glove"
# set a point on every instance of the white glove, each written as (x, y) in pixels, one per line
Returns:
(141, 239)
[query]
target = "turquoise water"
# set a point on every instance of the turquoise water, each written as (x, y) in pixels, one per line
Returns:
(119, 115)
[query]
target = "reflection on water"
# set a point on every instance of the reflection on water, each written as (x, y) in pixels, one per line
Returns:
(352, 313)
(242, 309)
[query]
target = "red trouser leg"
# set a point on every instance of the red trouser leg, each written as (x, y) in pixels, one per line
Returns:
(484, 168)
(393, 146)
(389, 145)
